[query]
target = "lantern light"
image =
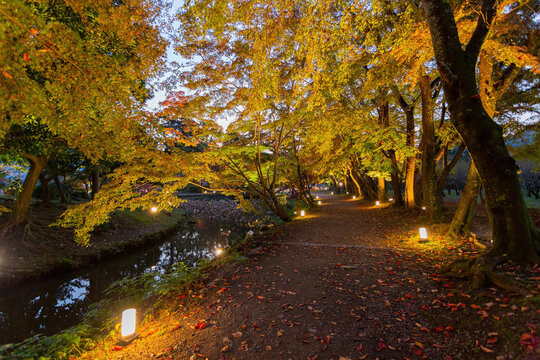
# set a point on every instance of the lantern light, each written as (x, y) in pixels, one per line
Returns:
(423, 208)
(378, 203)
(347, 193)
(391, 199)
(129, 321)
(153, 209)
(219, 251)
(423, 233)
(332, 193)
(354, 197)
(302, 213)
(317, 197)
(319, 202)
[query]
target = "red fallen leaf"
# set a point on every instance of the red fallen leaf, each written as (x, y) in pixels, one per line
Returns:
(381, 346)
(359, 347)
(449, 328)
(339, 264)
(116, 348)
(181, 296)
(25, 56)
(200, 326)
(492, 340)
(438, 329)
(417, 352)
(525, 337)
(505, 299)
(222, 290)
(475, 96)
(409, 296)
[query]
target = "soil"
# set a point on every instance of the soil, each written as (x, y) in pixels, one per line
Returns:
(348, 281)
(37, 249)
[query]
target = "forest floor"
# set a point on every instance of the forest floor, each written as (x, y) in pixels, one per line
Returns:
(348, 281)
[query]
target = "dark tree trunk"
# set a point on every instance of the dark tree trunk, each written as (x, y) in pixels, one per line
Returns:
(429, 174)
(37, 164)
(44, 181)
(396, 179)
(447, 168)
(95, 182)
(514, 235)
(462, 220)
(63, 198)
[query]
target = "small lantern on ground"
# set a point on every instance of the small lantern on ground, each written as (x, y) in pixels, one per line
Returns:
(423, 233)
(219, 251)
(378, 203)
(302, 213)
(319, 202)
(128, 326)
(354, 197)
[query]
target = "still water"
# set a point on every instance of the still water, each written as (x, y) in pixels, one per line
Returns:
(50, 305)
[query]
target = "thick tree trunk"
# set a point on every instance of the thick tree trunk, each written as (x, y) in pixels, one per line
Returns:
(462, 220)
(37, 164)
(63, 198)
(514, 235)
(429, 174)
(381, 189)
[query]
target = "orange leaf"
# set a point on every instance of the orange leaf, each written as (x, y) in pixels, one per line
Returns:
(485, 349)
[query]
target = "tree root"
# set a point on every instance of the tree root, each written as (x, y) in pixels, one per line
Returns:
(482, 273)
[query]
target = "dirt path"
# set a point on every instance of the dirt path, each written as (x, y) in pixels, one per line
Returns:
(335, 285)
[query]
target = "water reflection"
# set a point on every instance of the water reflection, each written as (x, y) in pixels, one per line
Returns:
(53, 304)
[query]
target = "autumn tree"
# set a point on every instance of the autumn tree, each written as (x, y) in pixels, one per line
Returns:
(515, 236)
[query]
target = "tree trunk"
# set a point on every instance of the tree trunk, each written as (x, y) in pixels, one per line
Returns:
(63, 198)
(447, 168)
(44, 181)
(396, 179)
(37, 164)
(381, 189)
(515, 237)
(462, 220)
(429, 174)
(95, 182)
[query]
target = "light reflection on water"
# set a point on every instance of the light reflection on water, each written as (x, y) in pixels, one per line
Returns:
(50, 305)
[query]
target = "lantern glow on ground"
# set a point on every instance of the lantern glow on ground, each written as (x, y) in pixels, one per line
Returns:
(153, 209)
(302, 213)
(423, 233)
(319, 202)
(354, 197)
(378, 203)
(219, 251)
(129, 319)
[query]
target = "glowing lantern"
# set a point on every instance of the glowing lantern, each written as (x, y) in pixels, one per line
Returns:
(129, 320)
(354, 197)
(347, 193)
(319, 202)
(423, 208)
(317, 197)
(219, 251)
(332, 193)
(153, 209)
(302, 213)
(391, 199)
(378, 203)
(423, 233)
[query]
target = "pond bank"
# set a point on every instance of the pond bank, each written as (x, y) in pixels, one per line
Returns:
(36, 250)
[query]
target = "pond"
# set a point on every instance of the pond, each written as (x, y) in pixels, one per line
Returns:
(52, 304)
